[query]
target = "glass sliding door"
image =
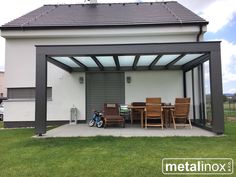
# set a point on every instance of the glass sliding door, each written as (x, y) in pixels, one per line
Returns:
(207, 95)
(197, 86)
(196, 94)
(189, 92)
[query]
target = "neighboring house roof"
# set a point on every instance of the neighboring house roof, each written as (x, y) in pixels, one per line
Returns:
(100, 15)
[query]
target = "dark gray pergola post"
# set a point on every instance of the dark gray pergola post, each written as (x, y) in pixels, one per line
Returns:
(41, 93)
(216, 90)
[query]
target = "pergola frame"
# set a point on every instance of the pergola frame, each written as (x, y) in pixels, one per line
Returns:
(211, 52)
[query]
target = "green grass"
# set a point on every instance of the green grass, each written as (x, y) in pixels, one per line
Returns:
(1, 124)
(21, 155)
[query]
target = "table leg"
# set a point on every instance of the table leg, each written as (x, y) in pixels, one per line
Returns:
(169, 115)
(131, 118)
(165, 117)
(141, 111)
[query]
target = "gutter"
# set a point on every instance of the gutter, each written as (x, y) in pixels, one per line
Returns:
(200, 33)
(22, 28)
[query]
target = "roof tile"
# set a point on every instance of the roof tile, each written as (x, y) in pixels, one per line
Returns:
(117, 14)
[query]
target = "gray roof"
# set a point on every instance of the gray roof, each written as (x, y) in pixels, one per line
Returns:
(100, 15)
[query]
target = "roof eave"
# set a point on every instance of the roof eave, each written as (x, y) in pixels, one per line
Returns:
(5, 28)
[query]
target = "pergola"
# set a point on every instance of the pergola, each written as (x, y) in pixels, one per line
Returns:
(130, 57)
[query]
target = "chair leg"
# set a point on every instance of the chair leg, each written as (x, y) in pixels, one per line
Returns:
(162, 123)
(190, 124)
(174, 122)
(131, 118)
(145, 122)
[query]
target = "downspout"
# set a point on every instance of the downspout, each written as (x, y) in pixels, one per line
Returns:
(200, 33)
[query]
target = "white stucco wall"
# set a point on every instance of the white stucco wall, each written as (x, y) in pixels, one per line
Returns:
(165, 84)
(66, 90)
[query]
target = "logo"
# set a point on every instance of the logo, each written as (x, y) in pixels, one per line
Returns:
(202, 166)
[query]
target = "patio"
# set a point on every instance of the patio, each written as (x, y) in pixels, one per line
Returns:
(83, 130)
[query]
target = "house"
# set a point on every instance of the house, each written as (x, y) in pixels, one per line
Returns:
(83, 55)
(2, 88)
(1, 83)
(2, 94)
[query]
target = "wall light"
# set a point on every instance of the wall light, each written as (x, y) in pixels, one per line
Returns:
(81, 80)
(128, 79)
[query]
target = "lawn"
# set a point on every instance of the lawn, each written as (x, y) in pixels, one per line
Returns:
(21, 155)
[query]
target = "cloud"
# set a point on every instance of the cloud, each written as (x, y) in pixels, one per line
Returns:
(219, 13)
(228, 65)
(232, 90)
(196, 5)
(228, 58)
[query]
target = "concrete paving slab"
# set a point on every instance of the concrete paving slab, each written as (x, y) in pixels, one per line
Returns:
(83, 130)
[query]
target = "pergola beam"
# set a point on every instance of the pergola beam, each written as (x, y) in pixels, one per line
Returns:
(60, 65)
(154, 62)
(135, 62)
(195, 62)
(169, 65)
(101, 67)
(79, 63)
(116, 60)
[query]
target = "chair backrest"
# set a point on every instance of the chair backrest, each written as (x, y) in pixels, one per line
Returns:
(182, 100)
(111, 109)
(138, 103)
(150, 101)
(153, 110)
(182, 109)
(124, 110)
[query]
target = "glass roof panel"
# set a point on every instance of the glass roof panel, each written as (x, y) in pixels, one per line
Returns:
(187, 58)
(165, 59)
(106, 61)
(87, 61)
(146, 60)
(126, 60)
(67, 61)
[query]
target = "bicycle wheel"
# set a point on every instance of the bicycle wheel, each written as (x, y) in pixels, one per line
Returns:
(91, 123)
(100, 124)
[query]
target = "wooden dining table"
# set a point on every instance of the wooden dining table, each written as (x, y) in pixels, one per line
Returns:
(167, 115)
(139, 108)
(166, 109)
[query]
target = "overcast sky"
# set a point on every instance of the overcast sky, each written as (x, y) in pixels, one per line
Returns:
(221, 15)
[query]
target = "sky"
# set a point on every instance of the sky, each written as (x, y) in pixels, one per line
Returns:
(221, 15)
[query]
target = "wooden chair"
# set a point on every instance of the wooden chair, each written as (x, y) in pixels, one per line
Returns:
(181, 113)
(153, 112)
(111, 115)
(153, 100)
(182, 100)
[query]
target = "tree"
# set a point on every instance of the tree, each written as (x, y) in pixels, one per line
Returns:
(225, 98)
(234, 98)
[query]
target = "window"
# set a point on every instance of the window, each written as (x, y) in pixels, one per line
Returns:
(25, 93)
